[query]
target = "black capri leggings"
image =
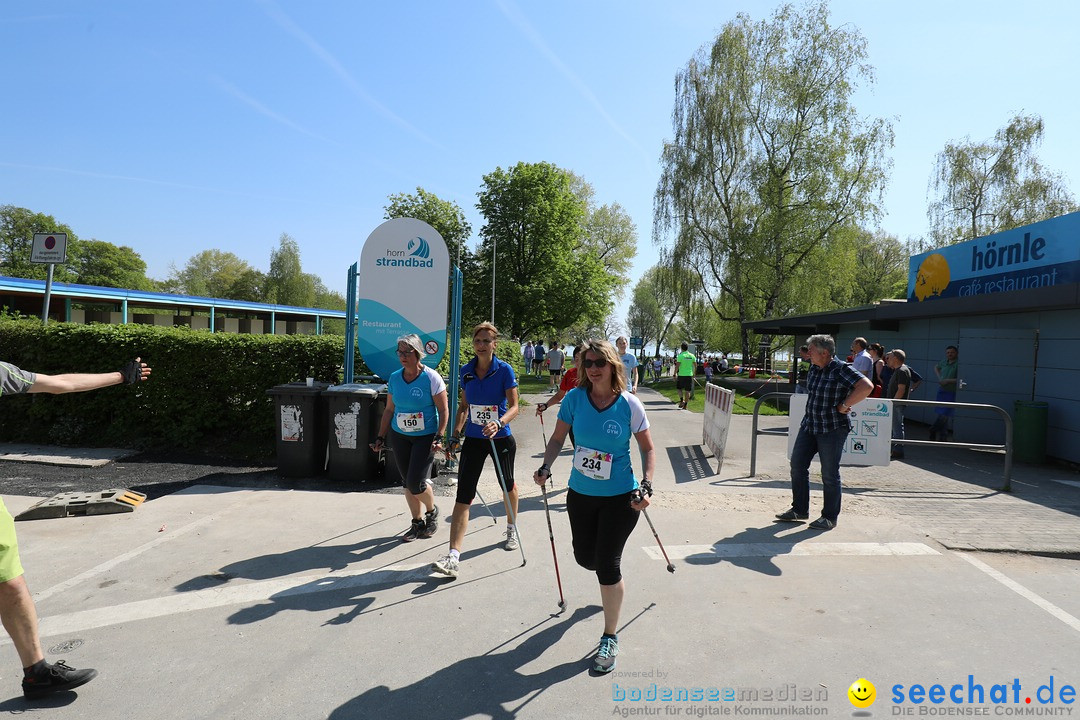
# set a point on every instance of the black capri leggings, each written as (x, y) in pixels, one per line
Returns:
(600, 526)
(473, 453)
(413, 455)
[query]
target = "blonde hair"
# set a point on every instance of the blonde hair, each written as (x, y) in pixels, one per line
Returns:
(486, 326)
(413, 341)
(607, 351)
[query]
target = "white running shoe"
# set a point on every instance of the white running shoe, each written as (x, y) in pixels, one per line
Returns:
(511, 539)
(446, 565)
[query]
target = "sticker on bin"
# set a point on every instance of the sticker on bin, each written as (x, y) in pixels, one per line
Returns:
(292, 423)
(483, 414)
(410, 422)
(345, 427)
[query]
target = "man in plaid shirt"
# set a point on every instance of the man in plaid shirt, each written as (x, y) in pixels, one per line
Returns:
(833, 387)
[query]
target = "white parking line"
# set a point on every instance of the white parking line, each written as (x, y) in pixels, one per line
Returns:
(802, 549)
(233, 594)
(1024, 592)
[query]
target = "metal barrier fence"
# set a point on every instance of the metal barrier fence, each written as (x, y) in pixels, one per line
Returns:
(1007, 446)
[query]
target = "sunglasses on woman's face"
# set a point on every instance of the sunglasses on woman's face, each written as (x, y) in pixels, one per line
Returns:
(598, 362)
(405, 353)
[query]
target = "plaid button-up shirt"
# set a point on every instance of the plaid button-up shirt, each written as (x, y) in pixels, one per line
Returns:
(827, 388)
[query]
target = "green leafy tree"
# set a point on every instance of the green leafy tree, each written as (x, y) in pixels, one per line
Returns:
(546, 276)
(610, 233)
(106, 265)
(769, 161)
(249, 286)
(644, 318)
(286, 282)
(17, 228)
(981, 188)
(210, 273)
(445, 216)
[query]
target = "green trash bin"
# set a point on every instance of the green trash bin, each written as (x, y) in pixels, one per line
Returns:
(350, 431)
(1029, 431)
(300, 420)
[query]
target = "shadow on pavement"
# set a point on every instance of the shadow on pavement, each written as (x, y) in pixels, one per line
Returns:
(750, 536)
(477, 686)
(690, 463)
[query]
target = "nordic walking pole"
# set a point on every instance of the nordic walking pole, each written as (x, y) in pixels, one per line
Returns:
(543, 430)
(506, 497)
(551, 536)
(487, 507)
(648, 490)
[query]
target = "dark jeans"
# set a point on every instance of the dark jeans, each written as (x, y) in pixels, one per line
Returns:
(897, 429)
(828, 447)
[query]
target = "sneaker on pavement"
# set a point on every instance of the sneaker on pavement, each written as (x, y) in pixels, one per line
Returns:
(431, 522)
(822, 523)
(604, 662)
(415, 530)
(446, 565)
(54, 678)
(791, 516)
(511, 539)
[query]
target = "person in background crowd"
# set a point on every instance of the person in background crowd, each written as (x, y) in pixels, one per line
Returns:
(687, 364)
(539, 357)
(861, 359)
(877, 354)
(899, 389)
(530, 354)
(630, 364)
(555, 360)
(945, 371)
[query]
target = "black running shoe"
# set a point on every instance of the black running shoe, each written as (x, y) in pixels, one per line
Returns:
(415, 530)
(431, 522)
(54, 678)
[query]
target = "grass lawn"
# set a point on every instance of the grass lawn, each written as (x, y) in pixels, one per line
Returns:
(744, 405)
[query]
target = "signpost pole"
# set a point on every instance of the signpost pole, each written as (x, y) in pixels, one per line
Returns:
(48, 296)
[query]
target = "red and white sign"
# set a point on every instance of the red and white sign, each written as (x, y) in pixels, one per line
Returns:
(49, 248)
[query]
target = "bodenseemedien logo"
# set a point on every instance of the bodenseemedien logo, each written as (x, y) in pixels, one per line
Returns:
(415, 255)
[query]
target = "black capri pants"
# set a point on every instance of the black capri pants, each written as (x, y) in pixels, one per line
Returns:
(473, 453)
(414, 456)
(600, 526)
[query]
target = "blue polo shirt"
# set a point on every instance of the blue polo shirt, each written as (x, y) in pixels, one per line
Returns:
(608, 432)
(487, 391)
(417, 396)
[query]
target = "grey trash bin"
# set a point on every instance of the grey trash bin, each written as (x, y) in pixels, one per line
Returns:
(300, 420)
(349, 431)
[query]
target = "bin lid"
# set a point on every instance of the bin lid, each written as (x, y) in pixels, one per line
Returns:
(298, 388)
(362, 389)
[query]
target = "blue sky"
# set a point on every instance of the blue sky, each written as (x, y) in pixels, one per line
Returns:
(174, 127)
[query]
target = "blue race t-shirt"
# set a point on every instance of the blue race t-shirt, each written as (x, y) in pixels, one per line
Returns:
(486, 396)
(602, 465)
(414, 402)
(629, 361)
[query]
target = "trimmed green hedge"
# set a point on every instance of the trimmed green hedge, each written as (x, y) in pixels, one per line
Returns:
(207, 392)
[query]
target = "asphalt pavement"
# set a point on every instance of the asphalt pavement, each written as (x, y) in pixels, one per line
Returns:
(235, 593)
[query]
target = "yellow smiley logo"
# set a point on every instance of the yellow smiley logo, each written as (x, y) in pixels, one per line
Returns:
(862, 693)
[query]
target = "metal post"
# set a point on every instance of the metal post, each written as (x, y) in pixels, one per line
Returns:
(350, 323)
(493, 244)
(455, 343)
(48, 297)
